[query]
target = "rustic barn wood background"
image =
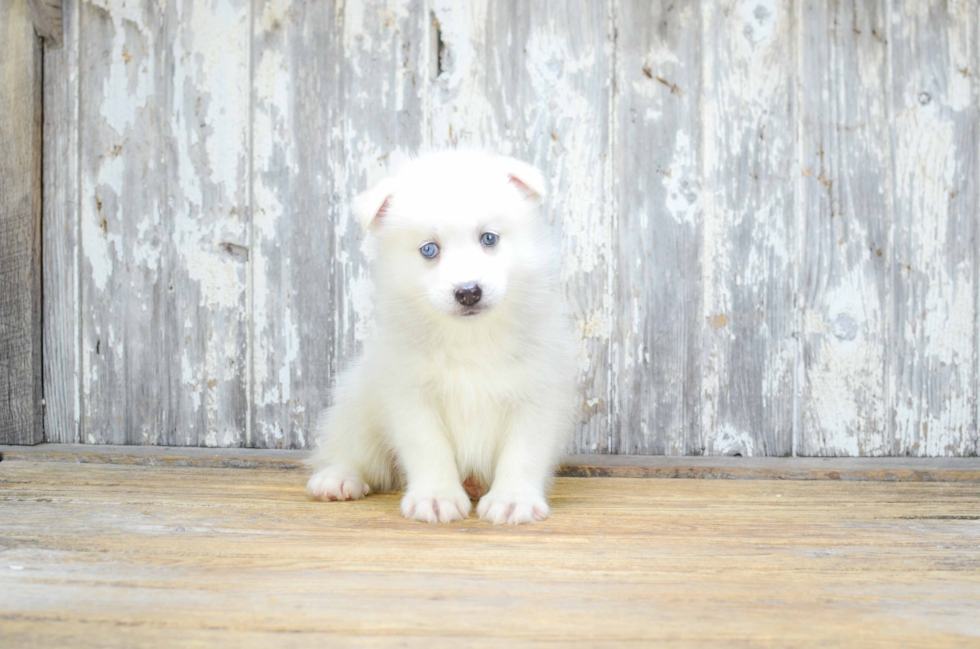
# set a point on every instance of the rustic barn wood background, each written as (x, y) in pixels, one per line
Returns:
(769, 210)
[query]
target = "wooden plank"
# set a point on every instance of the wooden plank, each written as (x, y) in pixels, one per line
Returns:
(47, 18)
(60, 235)
(111, 555)
(119, 187)
(209, 131)
(846, 202)
(749, 251)
(532, 80)
(20, 227)
(934, 91)
(337, 95)
(164, 222)
(900, 469)
(657, 368)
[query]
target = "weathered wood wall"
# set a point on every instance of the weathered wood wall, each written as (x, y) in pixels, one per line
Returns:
(769, 210)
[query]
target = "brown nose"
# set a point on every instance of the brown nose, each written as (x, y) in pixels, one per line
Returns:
(469, 294)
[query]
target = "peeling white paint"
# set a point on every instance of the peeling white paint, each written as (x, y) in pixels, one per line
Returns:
(134, 77)
(461, 112)
(681, 184)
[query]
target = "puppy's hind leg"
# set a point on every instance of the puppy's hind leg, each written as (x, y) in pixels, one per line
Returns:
(350, 461)
(337, 482)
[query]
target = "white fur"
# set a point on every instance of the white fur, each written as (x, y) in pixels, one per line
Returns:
(439, 397)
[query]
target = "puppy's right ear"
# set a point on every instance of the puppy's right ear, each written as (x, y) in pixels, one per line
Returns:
(370, 206)
(526, 178)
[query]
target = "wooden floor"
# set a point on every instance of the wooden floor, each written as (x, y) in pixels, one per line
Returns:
(109, 555)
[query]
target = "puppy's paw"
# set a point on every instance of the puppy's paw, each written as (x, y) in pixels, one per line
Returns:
(337, 483)
(434, 506)
(512, 508)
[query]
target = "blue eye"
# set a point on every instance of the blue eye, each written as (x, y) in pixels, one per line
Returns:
(429, 250)
(489, 239)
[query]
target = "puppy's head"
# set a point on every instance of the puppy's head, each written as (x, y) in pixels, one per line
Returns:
(459, 233)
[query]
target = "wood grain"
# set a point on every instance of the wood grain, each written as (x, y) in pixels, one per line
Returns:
(20, 227)
(48, 23)
(62, 305)
(115, 556)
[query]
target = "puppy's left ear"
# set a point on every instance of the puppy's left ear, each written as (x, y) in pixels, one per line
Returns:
(370, 206)
(526, 178)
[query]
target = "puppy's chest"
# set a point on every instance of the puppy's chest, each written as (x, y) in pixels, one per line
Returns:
(473, 380)
(475, 404)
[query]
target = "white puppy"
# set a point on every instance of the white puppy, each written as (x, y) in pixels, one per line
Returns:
(469, 382)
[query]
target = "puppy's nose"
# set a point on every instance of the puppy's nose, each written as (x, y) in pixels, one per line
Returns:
(469, 294)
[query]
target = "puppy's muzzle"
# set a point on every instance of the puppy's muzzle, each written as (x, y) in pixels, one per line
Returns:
(468, 294)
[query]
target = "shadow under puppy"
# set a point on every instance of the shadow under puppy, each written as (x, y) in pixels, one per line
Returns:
(469, 381)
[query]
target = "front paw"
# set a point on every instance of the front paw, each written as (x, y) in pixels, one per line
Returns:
(337, 483)
(435, 506)
(512, 508)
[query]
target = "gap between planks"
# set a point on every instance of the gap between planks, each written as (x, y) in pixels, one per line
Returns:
(885, 469)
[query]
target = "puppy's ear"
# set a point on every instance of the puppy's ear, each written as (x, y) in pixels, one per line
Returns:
(526, 178)
(370, 206)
